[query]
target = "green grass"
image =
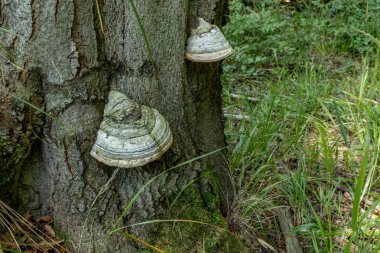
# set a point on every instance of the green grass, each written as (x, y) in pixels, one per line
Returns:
(311, 140)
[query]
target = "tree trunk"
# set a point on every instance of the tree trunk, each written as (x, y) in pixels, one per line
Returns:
(58, 58)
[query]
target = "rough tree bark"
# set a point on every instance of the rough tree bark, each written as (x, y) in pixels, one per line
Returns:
(64, 64)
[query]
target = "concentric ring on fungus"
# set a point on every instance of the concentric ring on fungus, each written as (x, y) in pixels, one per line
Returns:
(130, 135)
(207, 44)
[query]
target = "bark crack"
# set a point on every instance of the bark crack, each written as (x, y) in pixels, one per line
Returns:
(57, 10)
(23, 72)
(35, 20)
(99, 32)
(123, 26)
(1, 12)
(75, 33)
(68, 155)
(14, 43)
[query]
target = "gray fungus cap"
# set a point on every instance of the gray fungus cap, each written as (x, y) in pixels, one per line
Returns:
(207, 44)
(130, 134)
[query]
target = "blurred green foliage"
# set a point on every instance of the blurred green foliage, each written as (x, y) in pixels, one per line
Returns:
(268, 33)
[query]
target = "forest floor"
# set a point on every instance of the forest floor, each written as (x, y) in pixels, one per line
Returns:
(302, 99)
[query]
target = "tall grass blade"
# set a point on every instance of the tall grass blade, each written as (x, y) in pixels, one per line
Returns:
(176, 220)
(33, 106)
(358, 191)
(141, 241)
(11, 57)
(27, 41)
(99, 16)
(119, 230)
(146, 41)
(152, 180)
(182, 190)
(342, 129)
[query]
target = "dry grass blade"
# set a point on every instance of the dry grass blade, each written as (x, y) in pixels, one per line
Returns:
(142, 242)
(32, 237)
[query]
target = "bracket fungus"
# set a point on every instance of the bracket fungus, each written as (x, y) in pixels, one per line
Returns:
(130, 134)
(207, 44)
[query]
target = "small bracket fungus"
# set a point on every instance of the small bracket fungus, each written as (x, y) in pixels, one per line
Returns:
(207, 44)
(130, 134)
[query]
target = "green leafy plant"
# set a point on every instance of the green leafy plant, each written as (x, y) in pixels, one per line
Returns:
(273, 34)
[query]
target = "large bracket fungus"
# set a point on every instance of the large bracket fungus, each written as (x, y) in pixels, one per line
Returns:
(207, 44)
(130, 134)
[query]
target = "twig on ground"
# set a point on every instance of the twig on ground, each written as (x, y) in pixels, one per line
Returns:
(291, 241)
(237, 96)
(236, 116)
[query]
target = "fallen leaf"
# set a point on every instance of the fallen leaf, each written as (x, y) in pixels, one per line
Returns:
(27, 215)
(49, 230)
(45, 218)
(31, 250)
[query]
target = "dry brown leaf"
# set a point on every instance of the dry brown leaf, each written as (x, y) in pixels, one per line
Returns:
(31, 250)
(45, 218)
(27, 215)
(49, 230)
(346, 198)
